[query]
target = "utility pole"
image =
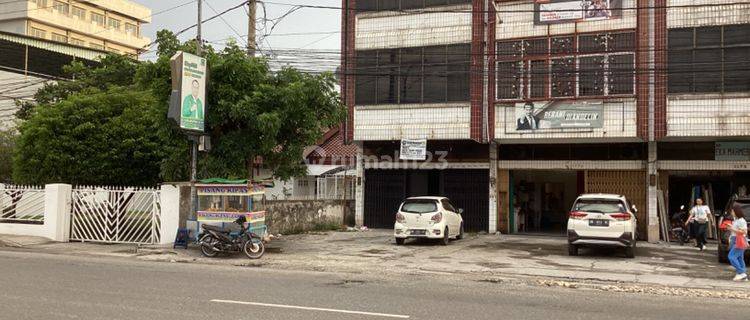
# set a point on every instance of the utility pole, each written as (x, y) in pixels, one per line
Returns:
(194, 138)
(251, 27)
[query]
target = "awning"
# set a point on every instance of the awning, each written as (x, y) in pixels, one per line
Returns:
(321, 169)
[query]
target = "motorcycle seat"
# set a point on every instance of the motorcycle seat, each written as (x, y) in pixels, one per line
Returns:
(217, 228)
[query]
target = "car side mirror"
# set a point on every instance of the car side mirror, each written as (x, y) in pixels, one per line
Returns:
(634, 208)
(460, 211)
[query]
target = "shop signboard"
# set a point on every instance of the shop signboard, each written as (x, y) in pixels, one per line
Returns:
(732, 151)
(558, 115)
(413, 149)
(226, 216)
(562, 11)
(230, 190)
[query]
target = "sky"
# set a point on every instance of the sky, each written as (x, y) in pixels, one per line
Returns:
(307, 38)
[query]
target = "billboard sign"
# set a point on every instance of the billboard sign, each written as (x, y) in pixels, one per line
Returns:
(558, 115)
(187, 104)
(563, 11)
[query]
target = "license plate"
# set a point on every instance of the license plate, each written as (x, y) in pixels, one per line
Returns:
(417, 232)
(599, 223)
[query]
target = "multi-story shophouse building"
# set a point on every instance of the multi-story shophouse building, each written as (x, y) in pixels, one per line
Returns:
(111, 25)
(527, 104)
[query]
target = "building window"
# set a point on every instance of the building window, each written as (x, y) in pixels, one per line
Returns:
(96, 46)
(436, 74)
(589, 65)
(39, 33)
(62, 7)
(77, 42)
(131, 29)
(113, 50)
(386, 5)
(709, 59)
(114, 24)
(41, 4)
(79, 13)
(98, 18)
(59, 37)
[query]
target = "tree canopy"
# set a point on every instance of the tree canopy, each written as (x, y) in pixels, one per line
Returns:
(109, 126)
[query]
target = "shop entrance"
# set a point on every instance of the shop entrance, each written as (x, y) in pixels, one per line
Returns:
(714, 187)
(541, 199)
(386, 189)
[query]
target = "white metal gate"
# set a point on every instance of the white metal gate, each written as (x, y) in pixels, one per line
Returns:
(21, 204)
(116, 215)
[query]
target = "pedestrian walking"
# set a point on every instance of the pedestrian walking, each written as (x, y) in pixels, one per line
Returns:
(698, 220)
(738, 243)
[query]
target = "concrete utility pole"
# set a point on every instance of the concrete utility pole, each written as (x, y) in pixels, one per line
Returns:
(198, 35)
(194, 139)
(251, 27)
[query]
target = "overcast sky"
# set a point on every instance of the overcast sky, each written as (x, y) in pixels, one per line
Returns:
(320, 28)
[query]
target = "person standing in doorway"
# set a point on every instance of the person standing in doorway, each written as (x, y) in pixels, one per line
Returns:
(699, 219)
(737, 252)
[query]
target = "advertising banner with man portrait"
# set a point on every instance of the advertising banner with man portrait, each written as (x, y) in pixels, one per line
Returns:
(558, 115)
(562, 11)
(193, 93)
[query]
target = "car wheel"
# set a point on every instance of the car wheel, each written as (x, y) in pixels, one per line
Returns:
(446, 237)
(460, 232)
(630, 251)
(400, 241)
(572, 250)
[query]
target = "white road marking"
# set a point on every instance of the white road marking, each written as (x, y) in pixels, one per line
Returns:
(399, 316)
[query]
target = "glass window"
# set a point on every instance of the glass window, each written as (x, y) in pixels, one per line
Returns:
(77, 42)
(707, 70)
(448, 206)
(114, 24)
(410, 71)
(459, 72)
(509, 80)
(435, 71)
(736, 71)
(97, 18)
(59, 38)
(131, 29)
(621, 74)
(387, 84)
(591, 76)
(419, 206)
(42, 4)
(62, 7)
(563, 77)
(680, 75)
(366, 77)
(79, 13)
(561, 45)
(39, 33)
(538, 78)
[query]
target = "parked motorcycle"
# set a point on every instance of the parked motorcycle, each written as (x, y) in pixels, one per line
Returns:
(215, 240)
(678, 229)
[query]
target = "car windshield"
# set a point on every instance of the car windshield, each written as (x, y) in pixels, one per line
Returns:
(599, 206)
(419, 206)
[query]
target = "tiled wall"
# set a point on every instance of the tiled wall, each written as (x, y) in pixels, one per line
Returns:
(434, 122)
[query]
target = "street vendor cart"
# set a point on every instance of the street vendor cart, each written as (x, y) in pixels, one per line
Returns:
(223, 204)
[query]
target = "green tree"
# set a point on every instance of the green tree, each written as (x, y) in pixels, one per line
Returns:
(7, 142)
(91, 137)
(109, 125)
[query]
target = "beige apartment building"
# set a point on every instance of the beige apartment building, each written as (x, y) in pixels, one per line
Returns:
(110, 25)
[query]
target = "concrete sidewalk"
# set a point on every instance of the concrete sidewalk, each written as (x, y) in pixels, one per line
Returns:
(489, 257)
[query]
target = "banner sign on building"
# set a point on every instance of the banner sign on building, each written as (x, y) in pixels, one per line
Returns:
(732, 151)
(562, 11)
(413, 149)
(533, 116)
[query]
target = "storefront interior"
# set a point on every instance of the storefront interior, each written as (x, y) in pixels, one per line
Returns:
(714, 187)
(541, 200)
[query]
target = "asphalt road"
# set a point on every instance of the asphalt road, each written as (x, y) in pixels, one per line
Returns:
(43, 286)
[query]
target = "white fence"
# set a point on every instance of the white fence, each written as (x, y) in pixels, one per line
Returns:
(22, 204)
(116, 215)
(335, 187)
(96, 214)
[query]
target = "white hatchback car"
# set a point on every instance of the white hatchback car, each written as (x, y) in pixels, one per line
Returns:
(430, 218)
(602, 220)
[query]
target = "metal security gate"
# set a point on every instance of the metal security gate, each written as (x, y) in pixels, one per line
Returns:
(384, 191)
(21, 204)
(115, 215)
(468, 189)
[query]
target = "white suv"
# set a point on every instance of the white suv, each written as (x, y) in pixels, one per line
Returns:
(602, 220)
(428, 217)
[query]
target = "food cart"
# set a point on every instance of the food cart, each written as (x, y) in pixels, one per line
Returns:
(222, 201)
